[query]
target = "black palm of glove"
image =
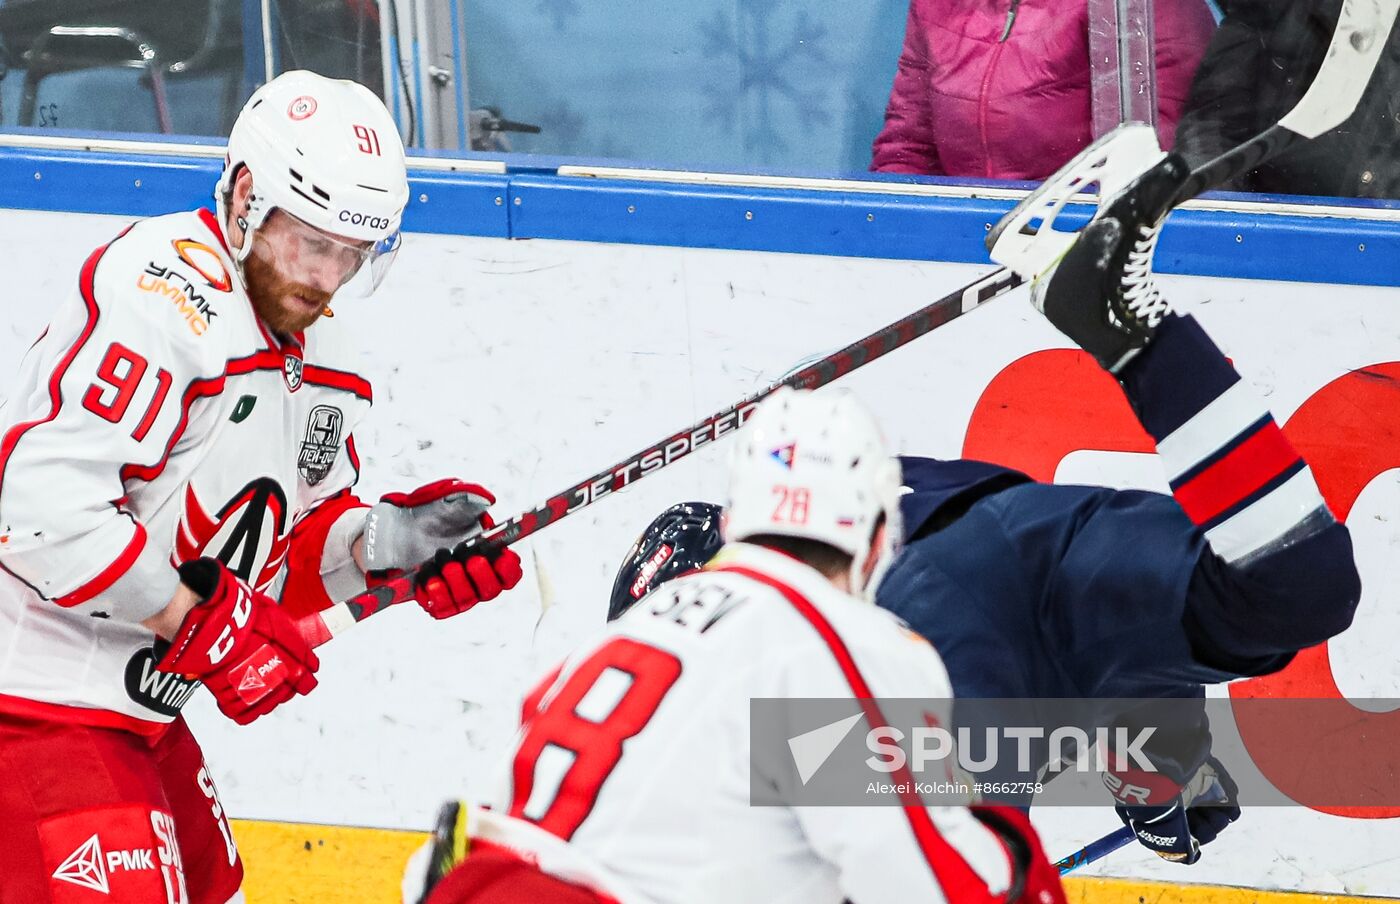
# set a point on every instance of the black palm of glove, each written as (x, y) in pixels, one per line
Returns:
(1175, 831)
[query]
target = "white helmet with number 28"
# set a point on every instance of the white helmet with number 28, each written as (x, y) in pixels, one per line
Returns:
(814, 465)
(326, 152)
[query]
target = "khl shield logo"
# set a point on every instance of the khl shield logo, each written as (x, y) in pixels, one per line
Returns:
(292, 369)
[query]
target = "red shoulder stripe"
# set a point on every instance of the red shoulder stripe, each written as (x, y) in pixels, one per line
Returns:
(354, 455)
(338, 379)
(207, 217)
(208, 386)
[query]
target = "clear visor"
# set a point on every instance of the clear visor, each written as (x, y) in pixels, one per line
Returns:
(322, 261)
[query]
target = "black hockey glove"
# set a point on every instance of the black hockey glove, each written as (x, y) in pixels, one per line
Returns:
(1176, 830)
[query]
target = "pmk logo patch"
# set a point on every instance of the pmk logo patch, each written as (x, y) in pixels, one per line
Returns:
(251, 681)
(84, 867)
(122, 853)
(784, 455)
(260, 672)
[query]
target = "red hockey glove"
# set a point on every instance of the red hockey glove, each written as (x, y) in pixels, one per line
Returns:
(405, 529)
(453, 582)
(240, 643)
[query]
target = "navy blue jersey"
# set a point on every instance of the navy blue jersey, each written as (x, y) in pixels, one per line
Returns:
(1042, 590)
(1038, 590)
(1032, 590)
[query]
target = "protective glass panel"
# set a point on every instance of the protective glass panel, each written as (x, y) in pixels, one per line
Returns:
(1257, 66)
(888, 89)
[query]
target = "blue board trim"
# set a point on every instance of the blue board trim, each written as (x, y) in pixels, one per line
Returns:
(128, 185)
(141, 186)
(458, 204)
(1199, 242)
(539, 204)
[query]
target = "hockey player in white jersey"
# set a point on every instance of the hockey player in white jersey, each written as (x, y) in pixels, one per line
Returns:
(630, 777)
(178, 448)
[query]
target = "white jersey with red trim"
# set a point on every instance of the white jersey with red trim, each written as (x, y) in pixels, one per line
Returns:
(156, 420)
(637, 751)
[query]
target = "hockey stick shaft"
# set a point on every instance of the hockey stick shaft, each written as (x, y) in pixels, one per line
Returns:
(317, 628)
(1095, 850)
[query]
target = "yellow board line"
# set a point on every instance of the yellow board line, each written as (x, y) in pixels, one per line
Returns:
(1133, 891)
(304, 863)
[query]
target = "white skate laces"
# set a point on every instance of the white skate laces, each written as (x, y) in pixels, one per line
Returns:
(1141, 297)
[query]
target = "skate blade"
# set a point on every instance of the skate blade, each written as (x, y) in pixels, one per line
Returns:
(1026, 241)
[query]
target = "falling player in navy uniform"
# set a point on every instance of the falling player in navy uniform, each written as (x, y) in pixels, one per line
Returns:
(1036, 590)
(1033, 590)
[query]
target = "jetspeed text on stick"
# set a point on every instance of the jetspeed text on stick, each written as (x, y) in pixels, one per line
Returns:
(660, 456)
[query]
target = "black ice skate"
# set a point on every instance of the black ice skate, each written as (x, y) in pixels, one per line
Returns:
(1096, 285)
(1102, 294)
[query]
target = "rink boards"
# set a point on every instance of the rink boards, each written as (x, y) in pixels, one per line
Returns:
(527, 365)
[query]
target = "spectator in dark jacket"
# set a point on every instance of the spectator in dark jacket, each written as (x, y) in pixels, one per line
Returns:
(1257, 67)
(1001, 88)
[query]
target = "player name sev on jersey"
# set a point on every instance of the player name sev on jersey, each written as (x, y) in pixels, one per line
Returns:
(674, 678)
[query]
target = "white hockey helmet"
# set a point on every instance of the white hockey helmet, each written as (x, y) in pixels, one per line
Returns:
(814, 465)
(326, 152)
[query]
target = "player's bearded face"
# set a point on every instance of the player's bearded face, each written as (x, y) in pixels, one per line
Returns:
(294, 269)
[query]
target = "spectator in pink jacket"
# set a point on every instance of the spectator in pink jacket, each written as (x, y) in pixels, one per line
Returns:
(999, 89)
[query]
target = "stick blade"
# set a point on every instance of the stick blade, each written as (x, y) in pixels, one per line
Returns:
(1362, 31)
